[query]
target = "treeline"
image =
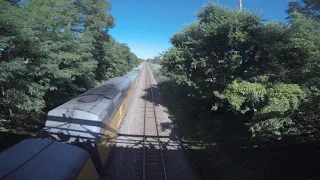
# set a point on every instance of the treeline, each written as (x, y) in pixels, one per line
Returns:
(155, 60)
(53, 50)
(266, 74)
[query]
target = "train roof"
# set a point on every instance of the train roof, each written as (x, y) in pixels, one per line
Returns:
(93, 104)
(39, 159)
(108, 89)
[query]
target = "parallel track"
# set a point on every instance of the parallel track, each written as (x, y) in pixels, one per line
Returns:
(153, 160)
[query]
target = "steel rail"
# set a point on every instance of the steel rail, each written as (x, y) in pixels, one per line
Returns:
(144, 134)
(144, 128)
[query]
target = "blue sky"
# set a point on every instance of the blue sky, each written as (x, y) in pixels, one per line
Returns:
(147, 25)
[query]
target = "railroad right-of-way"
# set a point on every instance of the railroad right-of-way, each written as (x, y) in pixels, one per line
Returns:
(147, 147)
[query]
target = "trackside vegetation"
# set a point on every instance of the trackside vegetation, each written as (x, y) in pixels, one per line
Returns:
(246, 92)
(266, 74)
(53, 50)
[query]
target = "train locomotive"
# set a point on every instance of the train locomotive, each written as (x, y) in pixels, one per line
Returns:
(89, 122)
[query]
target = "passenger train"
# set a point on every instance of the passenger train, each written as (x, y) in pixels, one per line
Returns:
(77, 137)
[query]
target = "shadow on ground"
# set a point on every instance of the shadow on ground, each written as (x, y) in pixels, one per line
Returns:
(126, 158)
(219, 147)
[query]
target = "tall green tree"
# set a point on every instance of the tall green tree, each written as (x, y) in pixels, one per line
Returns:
(96, 21)
(256, 69)
(46, 54)
(53, 51)
(309, 8)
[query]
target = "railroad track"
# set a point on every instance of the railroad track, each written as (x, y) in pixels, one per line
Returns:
(153, 159)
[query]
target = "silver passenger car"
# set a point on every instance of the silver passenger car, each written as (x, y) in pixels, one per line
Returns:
(89, 115)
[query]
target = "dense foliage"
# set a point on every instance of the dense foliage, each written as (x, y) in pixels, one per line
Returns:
(308, 8)
(265, 73)
(54, 50)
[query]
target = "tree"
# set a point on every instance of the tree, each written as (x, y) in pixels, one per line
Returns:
(155, 60)
(258, 70)
(46, 53)
(96, 22)
(309, 8)
(55, 50)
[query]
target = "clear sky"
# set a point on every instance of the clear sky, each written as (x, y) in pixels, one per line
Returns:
(147, 25)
